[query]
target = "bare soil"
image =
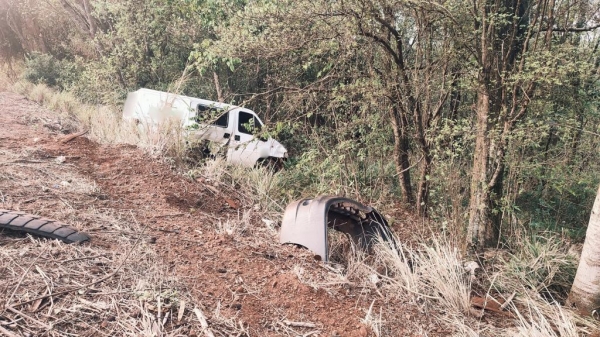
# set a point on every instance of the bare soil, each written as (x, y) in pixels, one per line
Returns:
(248, 276)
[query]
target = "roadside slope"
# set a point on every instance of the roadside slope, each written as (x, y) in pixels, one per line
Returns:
(227, 257)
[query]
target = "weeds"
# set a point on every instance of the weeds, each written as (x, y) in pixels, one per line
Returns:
(234, 226)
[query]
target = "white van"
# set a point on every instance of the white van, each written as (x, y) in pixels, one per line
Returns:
(225, 125)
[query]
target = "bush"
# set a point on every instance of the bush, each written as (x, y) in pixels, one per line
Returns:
(46, 69)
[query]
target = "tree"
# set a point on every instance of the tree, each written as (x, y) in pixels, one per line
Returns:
(585, 293)
(516, 49)
(364, 60)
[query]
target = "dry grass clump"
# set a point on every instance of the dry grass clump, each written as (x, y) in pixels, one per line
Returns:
(433, 276)
(263, 183)
(105, 123)
(540, 263)
(539, 270)
(252, 188)
(434, 272)
(542, 319)
(234, 226)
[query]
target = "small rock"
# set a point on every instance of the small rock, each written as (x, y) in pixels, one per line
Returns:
(61, 159)
(374, 279)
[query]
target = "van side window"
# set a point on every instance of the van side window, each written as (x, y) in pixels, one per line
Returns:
(248, 124)
(211, 112)
(222, 121)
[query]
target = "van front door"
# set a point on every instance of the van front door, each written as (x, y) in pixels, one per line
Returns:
(243, 147)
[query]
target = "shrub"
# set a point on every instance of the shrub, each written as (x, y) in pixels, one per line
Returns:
(46, 69)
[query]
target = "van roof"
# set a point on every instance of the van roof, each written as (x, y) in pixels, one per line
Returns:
(196, 99)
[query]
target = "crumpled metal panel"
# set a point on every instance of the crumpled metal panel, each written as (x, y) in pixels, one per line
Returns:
(305, 223)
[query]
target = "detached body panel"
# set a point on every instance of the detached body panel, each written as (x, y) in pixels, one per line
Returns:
(305, 222)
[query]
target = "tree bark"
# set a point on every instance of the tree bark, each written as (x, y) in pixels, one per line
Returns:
(585, 293)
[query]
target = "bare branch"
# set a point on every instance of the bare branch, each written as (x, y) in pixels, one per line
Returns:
(572, 29)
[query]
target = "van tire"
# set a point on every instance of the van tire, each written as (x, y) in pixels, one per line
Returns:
(271, 163)
(23, 222)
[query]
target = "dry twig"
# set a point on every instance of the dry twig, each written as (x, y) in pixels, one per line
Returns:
(203, 323)
(7, 333)
(300, 324)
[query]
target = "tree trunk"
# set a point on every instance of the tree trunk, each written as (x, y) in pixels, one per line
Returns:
(423, 189)
(585, 293)
(90, 19)
(218, 87)
(478, 230)
(401, 160)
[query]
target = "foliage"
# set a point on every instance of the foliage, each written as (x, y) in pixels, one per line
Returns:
(46, 69)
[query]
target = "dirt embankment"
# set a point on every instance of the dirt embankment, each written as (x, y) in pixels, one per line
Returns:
(227, 257)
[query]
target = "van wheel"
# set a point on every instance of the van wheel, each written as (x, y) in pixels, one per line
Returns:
(197, 152)
(271, 164)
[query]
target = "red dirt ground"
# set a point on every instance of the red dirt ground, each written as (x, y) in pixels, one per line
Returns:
(250, 278)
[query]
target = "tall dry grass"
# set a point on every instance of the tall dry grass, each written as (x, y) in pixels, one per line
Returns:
(105, 123)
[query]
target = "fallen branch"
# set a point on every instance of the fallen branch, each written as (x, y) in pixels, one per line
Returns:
(40, 323)
(72, 136)
(508, 300)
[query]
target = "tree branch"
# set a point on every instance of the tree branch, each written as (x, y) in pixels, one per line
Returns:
(572, 29)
